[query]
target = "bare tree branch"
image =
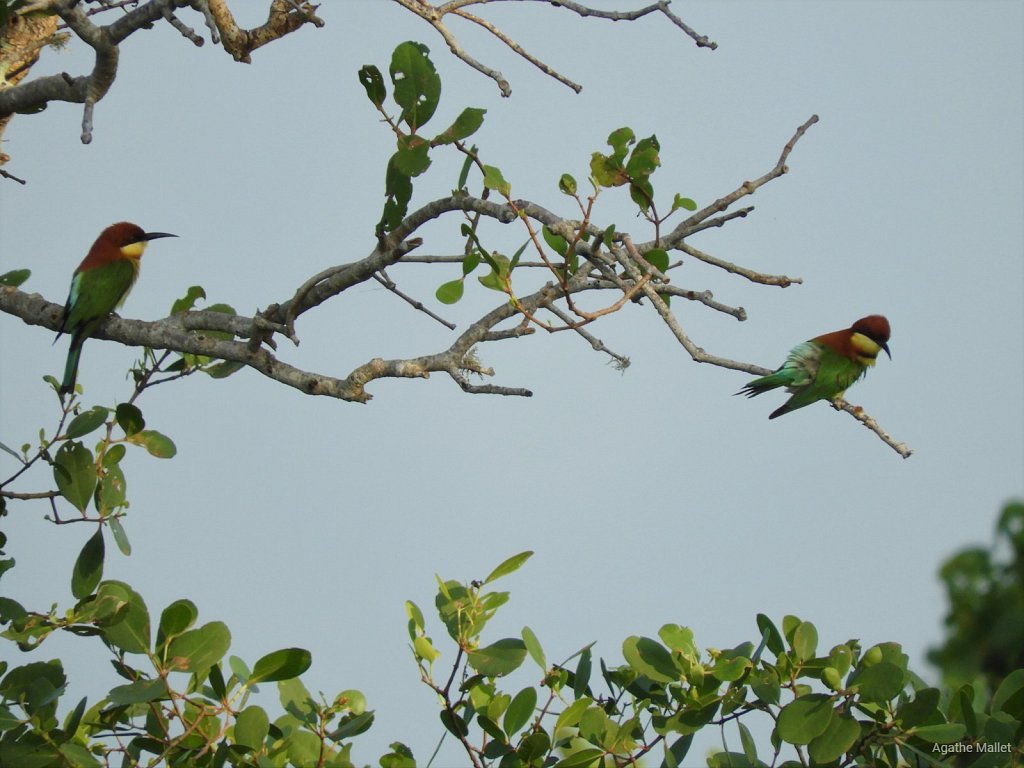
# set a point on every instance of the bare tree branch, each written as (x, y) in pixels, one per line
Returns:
(29, 95)
(434, 15)
(619, 267)
(284, 18)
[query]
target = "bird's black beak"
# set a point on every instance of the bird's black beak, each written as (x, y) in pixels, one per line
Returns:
(156, 235)
(885, 346)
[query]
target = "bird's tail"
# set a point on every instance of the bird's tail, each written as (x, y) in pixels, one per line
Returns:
(71, 366)
(780, 378)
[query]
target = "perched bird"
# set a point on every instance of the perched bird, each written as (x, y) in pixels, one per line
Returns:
(823, 368)
(100, 285)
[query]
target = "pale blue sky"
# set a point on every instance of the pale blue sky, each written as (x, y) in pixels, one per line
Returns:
(652, 496)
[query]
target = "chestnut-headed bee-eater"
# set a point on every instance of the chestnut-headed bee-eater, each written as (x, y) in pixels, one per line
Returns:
(100, 285)
(823, 368)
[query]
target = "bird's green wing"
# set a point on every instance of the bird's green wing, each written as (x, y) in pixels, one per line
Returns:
(97, 292)
(797, 372)
(834, 373)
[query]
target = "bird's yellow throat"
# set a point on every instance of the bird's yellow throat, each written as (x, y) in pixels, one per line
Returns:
(867, 350)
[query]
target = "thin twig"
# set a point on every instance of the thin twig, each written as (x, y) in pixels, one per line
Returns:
(755, 277)
(382, 278)
(621, 361)
(518, 49)
(860, 415)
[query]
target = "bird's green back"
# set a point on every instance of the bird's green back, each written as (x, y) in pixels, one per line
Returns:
(830, 374)
(98, 291)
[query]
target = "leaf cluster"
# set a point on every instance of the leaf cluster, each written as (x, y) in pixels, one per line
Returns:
(838, 706)
(985, 589)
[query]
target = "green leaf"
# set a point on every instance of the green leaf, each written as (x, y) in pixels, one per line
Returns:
(803, 719)
(239, 669)
(557, 243)
(10, 610)
(466, 124)
(112, 492)
(415, 614)
(534, 747)
(454, 724)
(679, 639)
(88, 568)
(606, 171)
(34, 685)
(730, 670)
(879, 682)
(352, 700)
(533, 648)
(683, 202)
(620, 140)
(251, 727)
(830, 676)
(499, 658)
(130, 628)
(120, 536)
(373, 82)
(520, 711)
(494, 180)
(841, 734)
(642, 193)
(450, 292)
(188, 301)
(75, 473)
(651, 659)
(216, 680)
(281, 665)
(738, 760)
(1009, 696)
(400, 756)
(222, 369)
(296, 700)
(923, 709)
(644, 159)
(412, 157)
(87, 421)
(805, 640)
(74, 718)
(77, 755)
(572, 714)
(657, 258)
(511, 565)
(139, 692)
(581, 679)
(749, 746)
(590, 756)
(129, 418)
(567, 184)
(470, 262)
(15, 277)
(176, 618)
(303, 748)
(398, 188)
(198, 649)
(467, 164)
(424, 649)
(158, 445)
(417, 87)
(940, 733)
(353, 726)
(765, 685)
(841, 658)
